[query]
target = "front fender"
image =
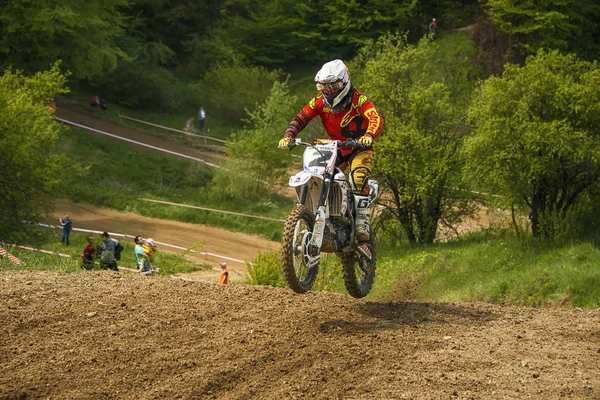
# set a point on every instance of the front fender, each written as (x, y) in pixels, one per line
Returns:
(301, 178)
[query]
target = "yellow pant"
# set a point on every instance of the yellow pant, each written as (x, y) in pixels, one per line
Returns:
(361, 165)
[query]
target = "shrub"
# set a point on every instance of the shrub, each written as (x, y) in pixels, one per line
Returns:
(226, 91)
(266, 270)
(139, 86)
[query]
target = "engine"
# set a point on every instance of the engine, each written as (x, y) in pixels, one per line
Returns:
(336, 236)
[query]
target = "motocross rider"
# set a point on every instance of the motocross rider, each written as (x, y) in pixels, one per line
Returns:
(346, 114)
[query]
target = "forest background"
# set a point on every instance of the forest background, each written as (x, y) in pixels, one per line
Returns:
(504, 100)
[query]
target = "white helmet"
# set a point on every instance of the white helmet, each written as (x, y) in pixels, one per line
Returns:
(333, 80)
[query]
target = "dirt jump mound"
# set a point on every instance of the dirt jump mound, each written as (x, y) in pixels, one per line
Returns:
(110, 335)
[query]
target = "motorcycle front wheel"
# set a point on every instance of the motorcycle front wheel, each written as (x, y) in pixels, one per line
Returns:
(294, 250)
(359, 270)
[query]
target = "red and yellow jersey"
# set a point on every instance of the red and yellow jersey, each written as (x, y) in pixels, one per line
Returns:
(360, 118)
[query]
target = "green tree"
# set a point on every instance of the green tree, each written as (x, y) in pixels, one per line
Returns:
(29, 170)
(421, 91)
(83, 34)
(257, 32)
(172, 23)
(227, 91)
(357, 22)
(313, 31)
(568, 25)
(254, 158)
(338, 29)
(536, 131)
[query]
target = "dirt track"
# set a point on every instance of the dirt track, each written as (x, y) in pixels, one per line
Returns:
(170, 141)
(107, 335)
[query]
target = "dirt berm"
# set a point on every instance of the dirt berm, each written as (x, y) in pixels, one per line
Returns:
(105, 335)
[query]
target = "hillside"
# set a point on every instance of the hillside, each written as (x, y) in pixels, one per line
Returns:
(172, 142)
(108, 335)
(217, 241)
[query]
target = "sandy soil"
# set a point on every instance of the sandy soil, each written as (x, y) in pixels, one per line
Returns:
(105, 335)
(205, 238)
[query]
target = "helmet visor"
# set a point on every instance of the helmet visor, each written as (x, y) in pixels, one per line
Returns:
(330, 87)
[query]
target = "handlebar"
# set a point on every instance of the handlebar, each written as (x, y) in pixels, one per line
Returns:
(350, 143)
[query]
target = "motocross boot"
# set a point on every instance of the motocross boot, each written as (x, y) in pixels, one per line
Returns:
(361, 223)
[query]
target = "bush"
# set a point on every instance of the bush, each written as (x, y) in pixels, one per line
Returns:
(226, 91)
(30, 172)
(266, 270)
(253, 154)
(139, 86)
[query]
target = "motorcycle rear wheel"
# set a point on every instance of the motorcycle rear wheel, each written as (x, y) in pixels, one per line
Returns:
(359, 271)
(294, 250)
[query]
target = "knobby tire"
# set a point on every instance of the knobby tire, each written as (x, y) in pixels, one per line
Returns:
(359, 285)
(293, 267)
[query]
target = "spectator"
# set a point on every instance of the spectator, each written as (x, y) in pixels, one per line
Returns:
(139, 252)
(150, 250)
(102, 105)
(95, 102)
(67, 225)
(201, 118)
(107, 256)
(224, 275)
(89, 253)
(433, 28)
(51, 105)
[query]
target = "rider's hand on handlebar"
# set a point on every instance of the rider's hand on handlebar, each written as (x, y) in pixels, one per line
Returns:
(365, 141)
(284, 143)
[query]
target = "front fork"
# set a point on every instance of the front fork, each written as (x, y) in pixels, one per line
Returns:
(316, 240)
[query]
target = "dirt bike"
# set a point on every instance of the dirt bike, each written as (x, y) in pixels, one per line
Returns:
(323, 222)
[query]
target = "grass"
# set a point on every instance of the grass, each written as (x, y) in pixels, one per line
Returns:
(493, 267)
(168, 263)
(117, 176)
(266, 270)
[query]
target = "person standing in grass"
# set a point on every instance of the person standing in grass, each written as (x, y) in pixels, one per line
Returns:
(87, 259)
(107, 256)
(224, 275)
(433, 28)
(201, 118)
(67, 226)
(140, 258)
(150, 250)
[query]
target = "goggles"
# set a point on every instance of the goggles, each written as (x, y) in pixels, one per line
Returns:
(330, 87)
